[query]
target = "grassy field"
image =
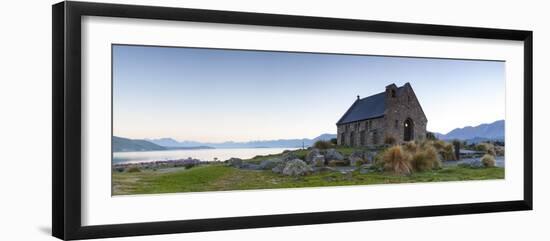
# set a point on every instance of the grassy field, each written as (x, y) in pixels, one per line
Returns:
(217, 177)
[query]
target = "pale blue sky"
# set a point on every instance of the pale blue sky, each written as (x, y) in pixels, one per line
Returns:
(221, 95)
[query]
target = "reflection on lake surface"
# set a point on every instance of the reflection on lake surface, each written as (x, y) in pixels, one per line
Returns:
(202, 154)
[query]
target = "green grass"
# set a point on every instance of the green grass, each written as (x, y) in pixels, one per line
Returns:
(220, 178)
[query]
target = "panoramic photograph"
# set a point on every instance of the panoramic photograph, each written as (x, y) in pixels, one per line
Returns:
(203, 119)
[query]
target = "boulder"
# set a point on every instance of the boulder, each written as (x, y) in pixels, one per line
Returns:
(317, 161)
(311, 154)
(279, 168)
(270, 163)
(324, 169)
(334, 163)
(250, 166)
(235, 162)
(296, 167)
(289, 156)
(333, 155)
(354, 161)
(368, 157)
(356, 158)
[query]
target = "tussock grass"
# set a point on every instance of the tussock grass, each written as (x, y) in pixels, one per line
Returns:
(425, 159)
(487, 148)
(488, 160)
(397, 161)
(410, 147)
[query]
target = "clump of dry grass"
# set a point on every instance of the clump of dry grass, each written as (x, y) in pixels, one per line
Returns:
(487, 148)
(397, 160)
(438, 144)
(448, 152)
(444, 149)
(425, 159)
(410, 146)
(488, 160)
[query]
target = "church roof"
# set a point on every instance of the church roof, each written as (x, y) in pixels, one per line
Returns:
(366, 108)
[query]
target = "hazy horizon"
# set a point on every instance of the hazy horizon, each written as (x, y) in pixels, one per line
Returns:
(212, 95)
(313, 137)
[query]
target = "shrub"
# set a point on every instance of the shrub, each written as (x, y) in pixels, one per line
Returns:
(425, 159)
(389, 140)
(334, 141)
(488, 160)
(322, 144)
(396, 160)
(133, 169)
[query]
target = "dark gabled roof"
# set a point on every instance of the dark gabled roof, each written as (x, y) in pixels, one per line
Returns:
(366, 108)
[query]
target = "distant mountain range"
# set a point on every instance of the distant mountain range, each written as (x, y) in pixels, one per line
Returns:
(124, 144)
(483, 132)
(491, 131)
(121, 144)
(169, 142)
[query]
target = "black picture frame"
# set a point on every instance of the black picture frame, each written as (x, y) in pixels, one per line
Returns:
(66, 75)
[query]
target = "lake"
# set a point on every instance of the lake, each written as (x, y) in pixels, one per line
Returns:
(201, 154)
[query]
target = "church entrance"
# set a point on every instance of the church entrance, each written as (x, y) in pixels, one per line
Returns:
(409, 130)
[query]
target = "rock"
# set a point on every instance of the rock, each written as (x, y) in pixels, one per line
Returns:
(235, 162)
(333, 155)
(279, 168)
(270, 163)
(356, 158)
(317, 161)
(311, 154)
(289, 156)
(368, 157)
(354, 161)
(357, 154)
(296, 167)
(250, 166)
(334, 163)
(324, 169)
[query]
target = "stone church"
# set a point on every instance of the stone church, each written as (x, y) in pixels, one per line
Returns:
(395, 113)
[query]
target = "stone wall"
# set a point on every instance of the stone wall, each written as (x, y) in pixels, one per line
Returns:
(400, 107)
(361, 133)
